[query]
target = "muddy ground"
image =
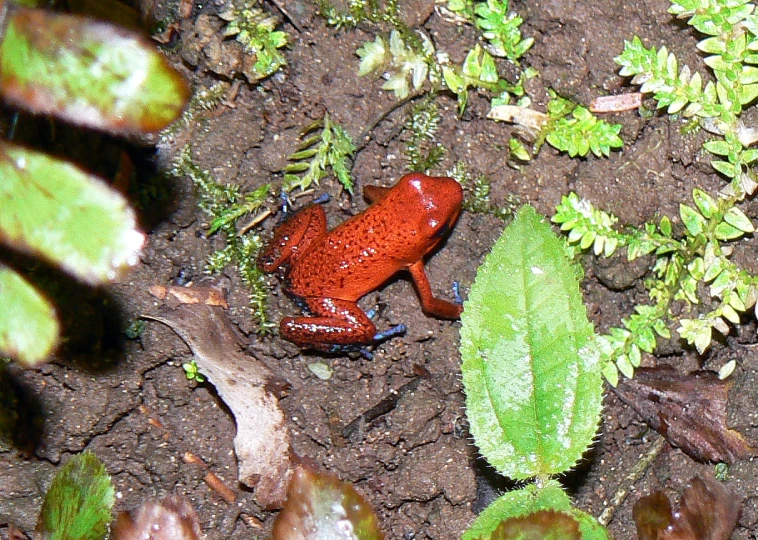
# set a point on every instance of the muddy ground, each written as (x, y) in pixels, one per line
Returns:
(129, 401)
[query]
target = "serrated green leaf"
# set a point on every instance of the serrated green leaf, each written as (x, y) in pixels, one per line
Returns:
(59, 212)
(531, 374)
(88, 72)
(78, 504)
(28, 324)
(320, 506)
(529, 500)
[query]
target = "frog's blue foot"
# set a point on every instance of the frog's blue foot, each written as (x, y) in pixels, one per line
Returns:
(457, 293)
(321, 199)
(390, 332)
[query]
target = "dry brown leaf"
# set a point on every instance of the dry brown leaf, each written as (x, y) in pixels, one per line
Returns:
(246, 385)
(689, 410)
(708, 511)
(189, 295)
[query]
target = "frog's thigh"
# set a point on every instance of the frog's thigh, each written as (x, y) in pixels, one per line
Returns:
(338, 322)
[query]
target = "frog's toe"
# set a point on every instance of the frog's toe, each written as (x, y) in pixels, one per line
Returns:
(457, 293)
(390, 332)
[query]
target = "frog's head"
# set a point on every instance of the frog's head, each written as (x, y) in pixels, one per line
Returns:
(439, 201)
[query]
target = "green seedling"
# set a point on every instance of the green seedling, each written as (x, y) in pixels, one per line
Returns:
(78, 503)
(696, 259)
(325, 146)
(255, 29)
(566, 126)
(699, 259)
(93, 74)
(716, 106)
(501, 28)
(404, 65)
(193, 372)
(531, 374)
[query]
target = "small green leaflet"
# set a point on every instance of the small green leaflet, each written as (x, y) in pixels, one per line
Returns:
(78, 504)
(53, 209)
(28, 325)
(530, 369)
(88, 72)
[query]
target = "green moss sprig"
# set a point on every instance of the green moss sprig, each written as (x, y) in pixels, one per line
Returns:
(499, 26)
(256, 30)
(421, 151)
(325, 146)
(227, 205)
(566, 126)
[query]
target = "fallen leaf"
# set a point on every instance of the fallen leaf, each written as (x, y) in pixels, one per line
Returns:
(319, 505)
(173, 518)
(247, 386)
(689, 410)
(708, 511)
(617, 103)
(189, 295)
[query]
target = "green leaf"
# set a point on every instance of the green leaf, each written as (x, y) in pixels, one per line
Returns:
(56, 210)
(373, 56)
(527, 501)
(694, 222)
(725, 168)
(738, 220)
(88, 72)
(530, 370)
(78, 504)
(319, 505)
(704, 203)
(28, 325)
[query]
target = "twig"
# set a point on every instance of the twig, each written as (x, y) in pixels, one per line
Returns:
(631, 479)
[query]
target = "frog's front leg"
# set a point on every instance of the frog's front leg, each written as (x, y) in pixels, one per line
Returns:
(430, 303)
(293, 236)
(334, 322)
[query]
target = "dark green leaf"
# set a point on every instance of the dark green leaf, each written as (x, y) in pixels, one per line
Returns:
(78, 504)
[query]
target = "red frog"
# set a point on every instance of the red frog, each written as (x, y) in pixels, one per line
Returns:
(327, 272)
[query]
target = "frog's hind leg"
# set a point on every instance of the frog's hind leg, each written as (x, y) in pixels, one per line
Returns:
(293, 237)
(335, 322)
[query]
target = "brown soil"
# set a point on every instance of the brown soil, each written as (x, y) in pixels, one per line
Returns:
(415, 462)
